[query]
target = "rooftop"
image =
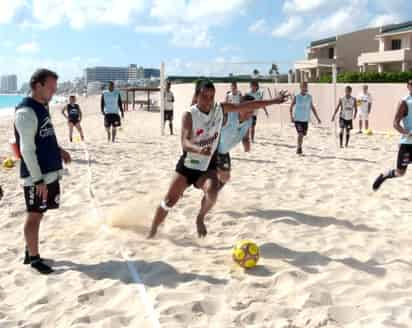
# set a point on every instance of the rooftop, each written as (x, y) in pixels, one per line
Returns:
(322, 41)
(407, 26)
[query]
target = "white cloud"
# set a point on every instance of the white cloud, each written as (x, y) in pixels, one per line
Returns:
(154, 29)
(191, 37)
(260, 26)
(385, 19)
(9, 8)
(28, 48)
(288, 28)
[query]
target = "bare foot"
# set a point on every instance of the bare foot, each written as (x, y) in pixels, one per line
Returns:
(201, 228)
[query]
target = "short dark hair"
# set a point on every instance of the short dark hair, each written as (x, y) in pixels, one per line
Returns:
(348, 87)
(41, 75)
(110, 83)
(206, 84)
(234, 83)
(410, 82)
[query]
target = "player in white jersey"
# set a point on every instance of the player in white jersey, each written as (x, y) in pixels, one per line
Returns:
(348, 111)
(233, 96)
(169, 100)
(257, 94)
(364, 102)
(200, 135)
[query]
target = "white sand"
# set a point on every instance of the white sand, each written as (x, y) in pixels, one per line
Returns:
(334, 254)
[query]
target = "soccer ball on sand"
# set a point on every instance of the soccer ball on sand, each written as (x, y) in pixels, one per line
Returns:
(246, 254)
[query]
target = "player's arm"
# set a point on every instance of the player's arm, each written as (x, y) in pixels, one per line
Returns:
(119, 103)
(400, 114)
(315, 112)
(356, 109)
(266, 111)
(336, 110)
(253, 105)
(80, 114)
(102, 104)
(64, 111)
(292, 119)
(246, 142)
(187, 144)
(370, 105)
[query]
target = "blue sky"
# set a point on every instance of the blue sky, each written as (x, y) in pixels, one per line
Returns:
(191, 36)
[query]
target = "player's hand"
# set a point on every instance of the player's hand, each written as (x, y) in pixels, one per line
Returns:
(292, 119)
(41, 191)
(246, 147)
(206, 150)
(333, 118)
(284, 95)
(65, 156)
(319, 122)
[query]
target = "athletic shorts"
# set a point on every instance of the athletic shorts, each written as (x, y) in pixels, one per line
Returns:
(363, 116)
(35, 204)
(404, 156)
(254, 120)
(74, 121)
(345, 124)
(111, 120)
(223, 162)
(193, 175)
(302, 127)
(168, 115)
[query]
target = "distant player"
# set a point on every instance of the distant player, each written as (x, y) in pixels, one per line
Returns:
(111, 107)
(348, 111)
(234, 95)
(303, 105)
(169, 100)
(403, 124)
(365, 107)
(257, 94)
(73, 114)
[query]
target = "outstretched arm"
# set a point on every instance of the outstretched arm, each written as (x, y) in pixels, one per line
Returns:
(356, 109)
(119, 103)
(102, 104)
(64, 111)
(253, 105)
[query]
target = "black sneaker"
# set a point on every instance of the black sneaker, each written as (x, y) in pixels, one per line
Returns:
(27, 257)
(378, 182)
(41, 267)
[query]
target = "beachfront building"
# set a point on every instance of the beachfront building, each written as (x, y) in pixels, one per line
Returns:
(8, 84)
(105, 74)
(340, 50)
(394, 52)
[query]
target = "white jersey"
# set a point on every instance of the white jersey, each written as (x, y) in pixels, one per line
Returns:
(169, 99)
(234, 98)
(258, 95)
(364, 100)
(348, 107)
(206, 128)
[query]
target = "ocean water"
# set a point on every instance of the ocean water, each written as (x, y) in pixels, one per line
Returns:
(8, 102)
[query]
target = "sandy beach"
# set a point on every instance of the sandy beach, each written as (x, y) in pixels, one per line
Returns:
(333, 253)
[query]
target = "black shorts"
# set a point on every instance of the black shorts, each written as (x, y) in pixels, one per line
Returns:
(35, 204)
(111, 120)
(301, 127)
(404, 156)
(345, 124)
(193, 175)
(168, 115)
(74, 121)
(224, 162)
(254, 120)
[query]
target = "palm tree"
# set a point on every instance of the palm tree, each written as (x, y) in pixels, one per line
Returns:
(256, 72)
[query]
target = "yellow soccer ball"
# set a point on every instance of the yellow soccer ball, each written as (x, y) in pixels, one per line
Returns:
(246, 254)
(369, 132)
(8, 163)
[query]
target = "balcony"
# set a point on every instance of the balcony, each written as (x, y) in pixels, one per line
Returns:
(313, 63)
(388, 56)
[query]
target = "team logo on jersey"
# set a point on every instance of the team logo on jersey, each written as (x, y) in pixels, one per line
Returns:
(199, 132)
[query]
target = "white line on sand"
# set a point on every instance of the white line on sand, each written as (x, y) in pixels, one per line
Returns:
(153, 316)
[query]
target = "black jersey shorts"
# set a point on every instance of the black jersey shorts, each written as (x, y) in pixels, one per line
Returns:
(35, 204)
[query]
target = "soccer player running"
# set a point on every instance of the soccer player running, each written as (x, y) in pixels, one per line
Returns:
(348, 111)
(257, 94)
(41, 162)
(303, 105)
(365, 101)
(169, 100)
(403, 124)
(200, 135)
(73, 114)
(111, 106)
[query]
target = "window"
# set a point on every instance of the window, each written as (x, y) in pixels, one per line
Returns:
(396, 44)
(331, 54)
